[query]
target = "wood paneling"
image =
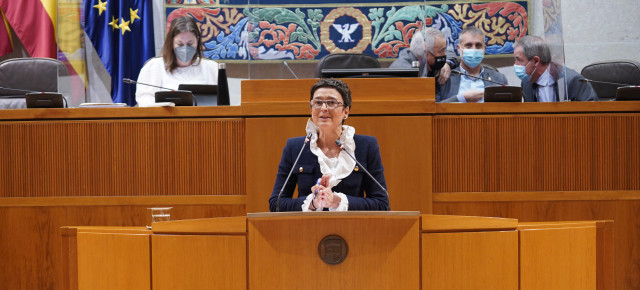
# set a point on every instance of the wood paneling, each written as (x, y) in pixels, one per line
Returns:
(404, 147)
(536, 153)
(624, 213)
(558, 258)
(114, 261)
(199, 262)
(474, 260)
(30, 236)
(383, 253)
(122, 158)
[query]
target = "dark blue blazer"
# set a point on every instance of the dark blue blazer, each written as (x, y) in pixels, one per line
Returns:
(307, 171)
(576, 90)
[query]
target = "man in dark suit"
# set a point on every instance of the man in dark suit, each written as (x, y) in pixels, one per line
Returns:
(461, 88)
(541, 77)
(429, 49)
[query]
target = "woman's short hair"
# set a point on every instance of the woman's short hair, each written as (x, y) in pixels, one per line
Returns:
(179, 25)
(336, 84)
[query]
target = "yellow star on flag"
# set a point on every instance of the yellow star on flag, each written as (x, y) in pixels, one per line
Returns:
(114, 23)
(102, 6)
(124, 25)
(134, 14)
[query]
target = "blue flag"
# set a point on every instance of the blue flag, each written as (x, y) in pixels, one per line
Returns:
(122, 33)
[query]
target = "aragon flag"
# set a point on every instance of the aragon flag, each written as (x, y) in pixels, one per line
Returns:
(122, 33)
(33, 21)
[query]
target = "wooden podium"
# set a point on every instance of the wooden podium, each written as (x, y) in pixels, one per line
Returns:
(347, 250)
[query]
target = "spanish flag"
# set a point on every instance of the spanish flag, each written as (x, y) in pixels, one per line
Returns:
(33, 22)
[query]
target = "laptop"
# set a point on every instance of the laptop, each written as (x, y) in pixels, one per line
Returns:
(628, 93)
(503, 94)
(205, 95)
(179, 97)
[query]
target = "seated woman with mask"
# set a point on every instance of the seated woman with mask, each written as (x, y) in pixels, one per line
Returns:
(328, 178)
(181, 62)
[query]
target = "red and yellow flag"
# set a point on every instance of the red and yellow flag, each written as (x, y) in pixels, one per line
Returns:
(34, 23)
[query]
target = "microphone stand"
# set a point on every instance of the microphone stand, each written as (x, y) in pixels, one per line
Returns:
(475, 77)
(339, 143)
(306, 140)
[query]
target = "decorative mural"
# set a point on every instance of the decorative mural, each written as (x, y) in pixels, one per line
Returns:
(233, 30)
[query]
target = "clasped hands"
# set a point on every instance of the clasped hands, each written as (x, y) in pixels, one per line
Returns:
(323, 196)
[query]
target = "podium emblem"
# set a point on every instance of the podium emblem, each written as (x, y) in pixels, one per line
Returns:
(333, 249)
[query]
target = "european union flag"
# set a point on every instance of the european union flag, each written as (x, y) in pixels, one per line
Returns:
(122, 33)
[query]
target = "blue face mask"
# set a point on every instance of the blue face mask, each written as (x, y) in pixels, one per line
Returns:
(521, 71)
(472, 57)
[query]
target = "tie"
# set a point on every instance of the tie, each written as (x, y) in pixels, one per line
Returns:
(535, 92)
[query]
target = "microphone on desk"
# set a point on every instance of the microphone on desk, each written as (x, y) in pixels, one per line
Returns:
(584, 80)
(130, 81)
(339, 143)
(306, 140)
(287, 65)
(475, 77)
(37, 99)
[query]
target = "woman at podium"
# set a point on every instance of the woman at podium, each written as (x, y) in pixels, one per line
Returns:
(327, 176)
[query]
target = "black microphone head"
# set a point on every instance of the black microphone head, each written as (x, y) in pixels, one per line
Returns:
(583, 80)
(308, 138)
(128, 81)
(339, 143)
(456, 72)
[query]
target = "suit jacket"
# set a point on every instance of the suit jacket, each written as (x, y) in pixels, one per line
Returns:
(576, 90)
(450, 89)
(361, 191)
(406, 58)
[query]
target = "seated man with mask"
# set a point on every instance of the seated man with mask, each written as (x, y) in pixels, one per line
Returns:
(540, 76)
(431, 55)
(465, 89)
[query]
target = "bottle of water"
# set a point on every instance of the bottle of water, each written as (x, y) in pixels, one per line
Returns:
(223, 85)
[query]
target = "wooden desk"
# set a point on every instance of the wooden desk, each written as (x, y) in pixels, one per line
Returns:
(281, 251)
(533, 162)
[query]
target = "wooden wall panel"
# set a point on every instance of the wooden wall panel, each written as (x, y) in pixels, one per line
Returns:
(114, 261)
(558, 258)
(536, 153)
(624, 213)
(122, 158)
(199, 262)
(30, 240)
(472, 260)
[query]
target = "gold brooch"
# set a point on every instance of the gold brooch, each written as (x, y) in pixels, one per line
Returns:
(356, 169)
(300, 169)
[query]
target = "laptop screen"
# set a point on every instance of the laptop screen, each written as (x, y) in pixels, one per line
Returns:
(205, 95)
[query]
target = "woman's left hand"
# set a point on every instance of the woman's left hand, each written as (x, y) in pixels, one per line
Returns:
(328, 199)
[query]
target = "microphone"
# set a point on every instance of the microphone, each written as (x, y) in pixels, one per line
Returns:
(36, 96)
(287, 65)
(306, 140)
(583, 80)
(130, 81)
(18, 90)
(475, 77)
(339, 143)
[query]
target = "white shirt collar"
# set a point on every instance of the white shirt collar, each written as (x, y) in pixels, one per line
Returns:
(341, 166)
(546, 79)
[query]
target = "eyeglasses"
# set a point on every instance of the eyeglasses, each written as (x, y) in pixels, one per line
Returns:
(331, 104)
